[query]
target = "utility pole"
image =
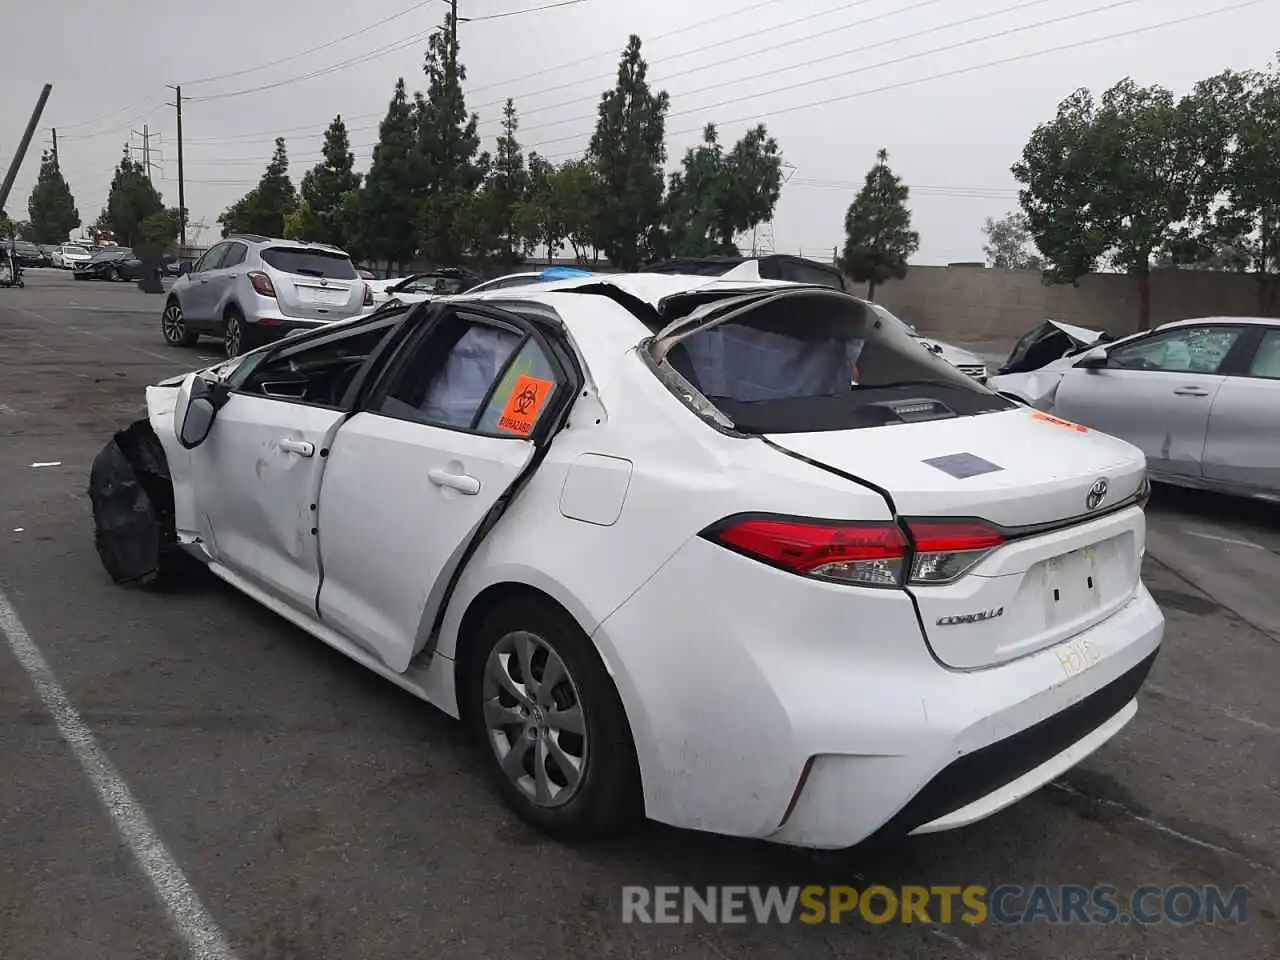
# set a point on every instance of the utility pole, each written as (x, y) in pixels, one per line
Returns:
(453, 40)
(146, 150)
(18, 155)
(54, 131)
(182, 193)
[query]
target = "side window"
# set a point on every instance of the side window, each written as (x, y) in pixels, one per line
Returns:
(472, 375)
(212, 258)
(1266, 362)
(235, 256)
(1185, 350)
(317, 372)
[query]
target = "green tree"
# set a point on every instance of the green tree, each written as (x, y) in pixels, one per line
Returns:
(537, 220)
(130, 201)
(322, 215)
(51, 207)
(1118, 182)
(716, 196)
(449, 165)
(8, 228)
(264, 209)
(506, 191)
(387, 204)
(628, 151)
(1246, 227)
(158, 233)
(1007, 242)
(575, 189)
(878, 235)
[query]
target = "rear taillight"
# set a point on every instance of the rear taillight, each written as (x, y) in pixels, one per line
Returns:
(368, 295)
(862, 554)
(262, 283)
(865, 554)
(945, 550)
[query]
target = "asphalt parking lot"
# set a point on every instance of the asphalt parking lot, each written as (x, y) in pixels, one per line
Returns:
(284, 803)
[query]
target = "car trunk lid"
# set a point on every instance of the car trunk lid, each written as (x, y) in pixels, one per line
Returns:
(1064, 551)
(314, 284)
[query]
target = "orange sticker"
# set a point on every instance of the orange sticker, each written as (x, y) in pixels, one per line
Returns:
(1039, 415)
(521, 411)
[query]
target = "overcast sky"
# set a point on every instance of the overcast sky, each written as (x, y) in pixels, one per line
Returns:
(834, 81)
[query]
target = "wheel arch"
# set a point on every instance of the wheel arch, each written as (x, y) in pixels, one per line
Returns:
(478, 607)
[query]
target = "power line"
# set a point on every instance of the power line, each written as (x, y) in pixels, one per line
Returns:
(720, 43)
(611, 52)
(363, 58)
(106, 116)
(306, 53)
(946, 48)
(516, 13)
(960, 71)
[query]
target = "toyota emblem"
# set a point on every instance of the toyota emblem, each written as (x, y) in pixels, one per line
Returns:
(1097, 493)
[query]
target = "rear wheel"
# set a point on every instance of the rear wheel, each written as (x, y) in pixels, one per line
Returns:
(174, 326)
(554, 732)
(113, 273)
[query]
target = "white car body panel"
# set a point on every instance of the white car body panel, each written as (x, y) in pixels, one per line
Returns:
(699, 640)
(1032, 388)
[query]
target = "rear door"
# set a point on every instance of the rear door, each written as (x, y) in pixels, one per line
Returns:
(1244, 425)
(1156, 392)
(431, 457)
(314, 283)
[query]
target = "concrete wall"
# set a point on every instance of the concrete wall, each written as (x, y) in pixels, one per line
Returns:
(976, 303)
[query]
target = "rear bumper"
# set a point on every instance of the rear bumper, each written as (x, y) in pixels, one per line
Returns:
(770, 706)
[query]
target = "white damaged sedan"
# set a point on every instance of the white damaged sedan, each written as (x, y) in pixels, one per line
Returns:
(648, 538)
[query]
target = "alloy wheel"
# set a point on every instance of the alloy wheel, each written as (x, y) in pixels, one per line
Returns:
(534, 719)
(171, 322)
(232, 335)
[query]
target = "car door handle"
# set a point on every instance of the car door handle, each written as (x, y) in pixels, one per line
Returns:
(301, 447)
(1191, 392)
(204, 279)
(455, 481)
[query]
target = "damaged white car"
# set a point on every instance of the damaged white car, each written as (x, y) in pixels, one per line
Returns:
(1038, 359)
(645, 536)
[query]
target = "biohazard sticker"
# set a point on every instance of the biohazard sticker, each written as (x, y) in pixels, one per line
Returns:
(524, 405)
(1039, 415)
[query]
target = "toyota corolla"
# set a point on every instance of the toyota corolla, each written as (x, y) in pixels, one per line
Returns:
(734, 555)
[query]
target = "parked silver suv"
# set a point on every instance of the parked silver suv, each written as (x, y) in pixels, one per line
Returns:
(251, 290)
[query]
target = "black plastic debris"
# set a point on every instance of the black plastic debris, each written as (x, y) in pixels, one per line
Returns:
(132, 498)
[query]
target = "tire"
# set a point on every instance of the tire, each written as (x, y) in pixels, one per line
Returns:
(607, 796)
(235, 335)
(113, 274)
(174, 327)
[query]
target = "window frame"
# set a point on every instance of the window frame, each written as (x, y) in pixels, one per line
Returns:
(289, 348)
(568, 377)
(206, 259)
(1234, 361)
(232, 248)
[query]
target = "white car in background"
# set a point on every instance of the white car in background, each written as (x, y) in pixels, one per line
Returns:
(70, 255)
(423, 286)
(1038, 358)
(645, 537)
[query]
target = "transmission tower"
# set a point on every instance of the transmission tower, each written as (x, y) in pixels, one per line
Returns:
(758, 241)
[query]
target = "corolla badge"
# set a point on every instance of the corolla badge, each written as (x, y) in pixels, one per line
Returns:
(978, 617)
(1097, 493)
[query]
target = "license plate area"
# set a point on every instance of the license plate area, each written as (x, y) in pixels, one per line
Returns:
(1075, 584)
(323, 297)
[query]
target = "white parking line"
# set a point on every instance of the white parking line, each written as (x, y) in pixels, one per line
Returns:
(1210, 536)
(190, 919)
